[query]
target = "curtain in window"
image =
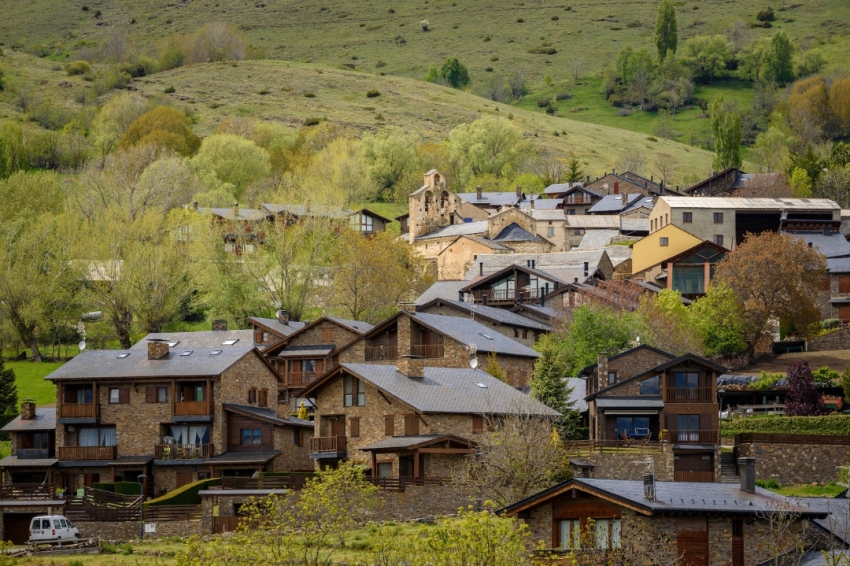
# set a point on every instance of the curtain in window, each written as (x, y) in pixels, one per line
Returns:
(107, 437)
(199, 435)
(88, 437)
(570, 533)
(600, 532)
(84, 396)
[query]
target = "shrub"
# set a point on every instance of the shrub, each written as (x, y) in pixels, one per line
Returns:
(831, 425)
(264, 92)
(825, 375)
(372, 93)
(85, 8)
(563, 96)
(488, 69)
(424, 25)
(309, 95)
(766, 380)
(380, 64)
(543, 102)
(169, 89)
(543, 50)
(78, 68)
(829, 323)
(519, 20)
(104, 486)
(391, 11)
(652, 138)
(771, 483)
(494, 58)
(128, 488)
(98, 14)
(75, 563)
(107, 548)
(766, 15)
(555, 18)
(312, 121)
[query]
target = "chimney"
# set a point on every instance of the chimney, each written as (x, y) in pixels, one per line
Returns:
(27, 410)
(649, 487)
(602, 371)
(652, 178)
(518, 191)
(531, 203)
(411, 367)
(478, 194)
(747, 473)
(283, 316)
(157, 349)
(235, 208)
(219, 324)
(587, 179)
(460, 296)
(616, 187)
(533, 264)
(481, 268)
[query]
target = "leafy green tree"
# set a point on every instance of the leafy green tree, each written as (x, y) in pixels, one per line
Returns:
(668, 323)
(666, 29)
(770, 152)
(488, 145)
(635, 71)
(494, 368)
(114, 118)
(719, 321)
(164, 127)
(454, 73)
(8, 390)
(13, 153)
(596, 329)
(672, 86)
(707, 55)
(782, 54)
(30, 193)
(756, 60)
(726, 130)
(226, 159)
(394, 162)
(801, 183)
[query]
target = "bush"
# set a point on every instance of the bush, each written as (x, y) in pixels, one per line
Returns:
(186, 495)
(312, 121)
(169, 89)
(771, 483)
(372, 93)
(424, 24)
(104, 486)
(766, 380)
(766, 15)
(78, 68)
(563, 96)
(543, 50)
(75, 563)
(127, 488)
(825, 375)
(543, 102)
(309, 95)
(838, 425)
(829, 323)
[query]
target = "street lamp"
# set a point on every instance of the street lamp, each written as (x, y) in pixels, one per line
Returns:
(142, 478)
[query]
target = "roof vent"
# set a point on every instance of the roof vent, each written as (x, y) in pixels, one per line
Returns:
(649, 487)
(479, 384)
(487, 336)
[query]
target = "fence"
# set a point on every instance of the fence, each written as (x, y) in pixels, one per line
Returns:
(586, 446)
(701, 477)
(225, 524)
(773, 438)
(172, 512)
(268, 482)
(400, 483)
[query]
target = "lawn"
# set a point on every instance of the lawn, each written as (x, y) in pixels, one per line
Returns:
(29, 376)
(830, 489)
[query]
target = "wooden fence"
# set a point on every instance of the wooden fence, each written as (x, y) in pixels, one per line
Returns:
(701, 477)
(270, 482)
(400, 483)
(586, 446)
(225, 524)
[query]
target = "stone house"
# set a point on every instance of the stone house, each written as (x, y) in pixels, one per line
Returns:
(560, 190)
(628, 182)
(175, 413)
(615, 204)
(520, 328)
(578, 199)
(33, 444)
(716, 524)
(834, 299)
(492, 202)
(309, 352)
(456, 258)
(515, 284)
(646, 394)
(719, 184)
(408, 419)
(268, 331)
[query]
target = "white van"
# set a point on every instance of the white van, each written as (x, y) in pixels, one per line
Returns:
(52, 528)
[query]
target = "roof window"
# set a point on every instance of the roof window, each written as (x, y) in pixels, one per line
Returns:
(172, 344)
(230, 342)
(186, 353)
(479, 384)
(487, 336)
(124, 355)
(215, 352)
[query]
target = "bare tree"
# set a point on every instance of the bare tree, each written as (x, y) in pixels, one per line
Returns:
(497, 90)
(784, 536)
(577, 65)
(546, 165)
(767, 185)
(631, 160)
(739, 35)
(516, 82)
(666, 166)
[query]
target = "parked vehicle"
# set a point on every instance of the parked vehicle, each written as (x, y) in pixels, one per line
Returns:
(52, 528)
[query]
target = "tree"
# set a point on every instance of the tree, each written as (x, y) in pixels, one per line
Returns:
(393, 161)
(666, 30)
(217, 42)
(373, 275)
(751, 272)
(494, 368)
(782, 53)
(718, 320)
(631, 160)
(803, 398)
(452, 72)
(230, 161)
(13, 154)
(672, 86)
(549, 383)
(635, 70)
(770, 152)
(839, 103)
(488, 145)
(8, 390)
(575, 173)
(726, 130)
(756, 60)
(165, 127)
(834, 184)
(666, 165)
(114, 118)
(30, 193)
(707, 55)
(669, 324)
(596, 328)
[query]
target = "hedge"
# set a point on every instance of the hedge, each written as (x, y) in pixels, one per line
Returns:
(186, 495)
(104, 486)
(128, 488)
(826, 425)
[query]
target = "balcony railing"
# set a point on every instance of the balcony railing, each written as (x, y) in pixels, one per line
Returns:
(693, 436)
(380, 352)
(27, 491)
(273, 482)
(33, 453)
(87, 452)
(701, 477)
(182, 451)
(301, 378)
(428, 350)
(507, 295)
(191, 408)
(327, 444)
(78, 410)
(399, 483)
(689, 395)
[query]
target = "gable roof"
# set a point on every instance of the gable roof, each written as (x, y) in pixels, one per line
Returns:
(587, 369)
(547, 262)
(513, 232)
(596, 221)
(493, 314)
(492, 199)
(243, 214)
(495, 276)
(614, 203)
(106, 364)
(673, 498)
(371, 213)
(703, 244)
(463, 229)
(546, 214)
(448, 289)
(737, 203)
(396, 443)
(334, 212)
(838, 265)
(540, 204)
(45, 419)
(548, 312)
(441, 390)
(832, 245)
(578, 390)
(466, 330)
(486, 242)
(358, 327)
(266, 415)
(645, 202)
(564, 188)
(658, 368)
(597, 238)
(275, 326)
(711, 179)
(200, 339)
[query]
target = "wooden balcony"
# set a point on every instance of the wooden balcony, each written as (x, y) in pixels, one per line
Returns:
(506, 295)
(192, 408)
(27, 491)
(79, 410)
(399, 483)
(183, 451)
(693, 436)
(428, 350)
(377, 353)
(328, 444)
(300, 379)
(73, 453)
(690, 395)
(273, 482)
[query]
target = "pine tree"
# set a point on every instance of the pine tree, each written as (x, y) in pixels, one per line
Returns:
(574, 171)
(726, 129)
(803, 398)
(549, 384)
(494, 368)
(666, 30)
(8, 390)
(781, 64)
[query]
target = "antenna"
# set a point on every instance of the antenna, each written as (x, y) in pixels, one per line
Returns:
(470, 300)
(82, 345)
(473, 363)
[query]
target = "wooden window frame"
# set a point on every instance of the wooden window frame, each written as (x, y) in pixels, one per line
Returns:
(718, 218)
(123, 395)
(477, 424)
(263, 398)
(687, 217)
(354, 427)
(663, 241)
(252, 396)
(352, 390)
(844, 283)
(411, 424)
(298, 436)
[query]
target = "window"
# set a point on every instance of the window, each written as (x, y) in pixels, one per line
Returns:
(97, 437)
(844, 284)
(524, 334)
(263, 398)
(251, 436)
(718, 218)
(687, 217)
(252, 396)
(354, 426)
(718, 239)
(612, 377)
(354, 392)
(366, 223)
(686, 379)
(411, 425)
(550, 231)
(385, 470)
(606, 533)
(186, 434)
(328, 335)
(120, 395)
(688, 428)
(298, 436)
(477, 424)
(651, 386)
(516, 332)
(570, 533)
(162, 394)
(156, 394)
(824, 284)
(635, 427)
(663, 241)
(389, 425)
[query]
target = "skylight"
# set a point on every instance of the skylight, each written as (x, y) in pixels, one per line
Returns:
(172, 344)
(480, 385)
(124, 355)
(215, 352)
(230, 342)
(487, 336)
(186, 353)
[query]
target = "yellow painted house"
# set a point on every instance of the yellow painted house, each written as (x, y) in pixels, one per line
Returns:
(659, 246)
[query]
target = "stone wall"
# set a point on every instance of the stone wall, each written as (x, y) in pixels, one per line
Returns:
(419, 502)
(129, 530)
(835, 340)
(796, 463)
(627, 466)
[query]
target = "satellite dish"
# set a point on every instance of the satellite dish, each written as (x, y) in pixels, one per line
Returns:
(473, 363)
(82, 345)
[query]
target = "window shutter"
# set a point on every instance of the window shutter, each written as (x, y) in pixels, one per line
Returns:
(70, 395)
(252, 396)
(354, 426)
(266, 436)
(298, 437)
(477, 424)
(263, 398)
(234, 436)
(124, 395)
(389, 425)
(150, 394)
(411, 425)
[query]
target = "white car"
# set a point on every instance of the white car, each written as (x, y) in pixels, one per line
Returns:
(52, 528)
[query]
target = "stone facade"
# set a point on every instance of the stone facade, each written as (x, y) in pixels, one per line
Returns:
(129, 530)
(433, 206)
(455, 259)
(421, 502)
(632, 466)
(836, 340)
(796, 463)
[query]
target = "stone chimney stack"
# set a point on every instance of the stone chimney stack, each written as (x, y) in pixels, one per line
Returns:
(411, 367)
(649, 487)
(602, 370)
(283, 316)
(27, 410)
(157, 349)
(478, 193)
(219, 325)
(531, 203)
(747, 473)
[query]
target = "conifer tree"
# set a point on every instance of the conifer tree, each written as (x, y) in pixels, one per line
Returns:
(8, 390)
(726, 129)
(666, 30)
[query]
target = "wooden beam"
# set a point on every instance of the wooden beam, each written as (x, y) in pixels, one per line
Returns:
(447, 451)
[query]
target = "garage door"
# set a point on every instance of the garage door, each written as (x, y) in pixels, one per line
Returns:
(16, 526)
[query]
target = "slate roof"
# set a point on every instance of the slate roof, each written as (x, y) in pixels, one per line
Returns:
(611, 204)
(540, 204)
(15, 462)
(276, 326)
(493, 199)
(335, 212)
(751, 203)
(465, 229)
(645, 202)
(838, 522)
(634, 224)
(681, 497)
(267, 415)
(248, 214)
(466, 330)
(441, 290)
(576, 396)
(838, 265)
(92, 364)
(542, 310)
(402, 442)
(354, 325)
(486, 242)
(543, 214)
(450, 390)
(832, 245)
(597, 238)
(243, 457)
(513, 232)
(559, 188)
(618, 254)
(499, 315)
(629, 403)
(200, 339)
(544, 261)
(311, 350)
(45, 419)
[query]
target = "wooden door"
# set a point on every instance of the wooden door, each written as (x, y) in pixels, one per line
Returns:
(337, 426)
(737, 542)
(183, 477)
(91, 479)
(405, 466)
(692, 540)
